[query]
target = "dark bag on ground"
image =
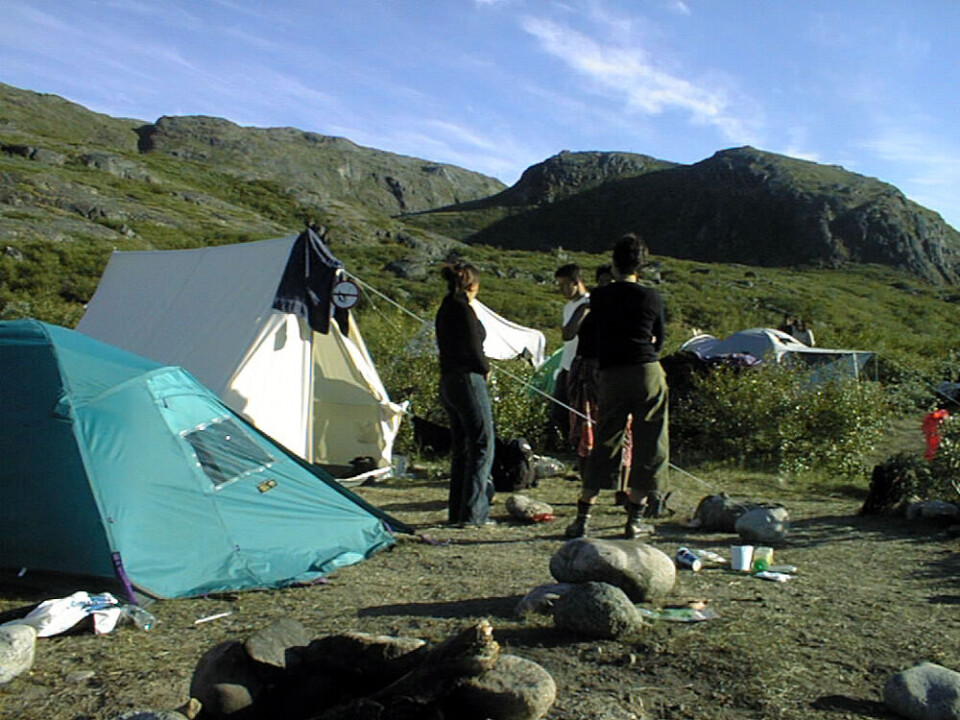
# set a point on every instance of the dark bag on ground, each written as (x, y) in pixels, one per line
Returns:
(513, 467)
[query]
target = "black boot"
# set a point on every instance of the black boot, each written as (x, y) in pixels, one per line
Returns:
(634, 528)
(578, 528)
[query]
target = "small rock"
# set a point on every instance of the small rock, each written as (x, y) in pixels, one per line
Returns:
(515, 689)
(151, 715)
(527, 509)
(269, 645)
(932, 510)
(763, 525)
(541, 599)
(222, 665)
(79, 676)
(17, 648)
(596, 609)
(924, 692)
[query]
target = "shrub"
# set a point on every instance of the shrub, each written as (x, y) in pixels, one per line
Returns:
(943, 480)
(774, 415)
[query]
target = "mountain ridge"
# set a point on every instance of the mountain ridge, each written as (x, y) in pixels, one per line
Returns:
(69, 174)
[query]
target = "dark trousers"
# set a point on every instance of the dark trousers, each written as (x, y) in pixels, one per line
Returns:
(641, 391)
(464, 397)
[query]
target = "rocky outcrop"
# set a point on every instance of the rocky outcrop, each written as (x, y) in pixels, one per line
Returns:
(569, 173)
(314, 166)
(746, 206)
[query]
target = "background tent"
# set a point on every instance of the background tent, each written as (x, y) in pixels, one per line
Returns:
(505, 340)
(252, 323)
(109, 457)
(762, 343)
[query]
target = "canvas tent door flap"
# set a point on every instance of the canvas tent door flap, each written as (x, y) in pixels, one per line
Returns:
(250, 322)
(108, 455)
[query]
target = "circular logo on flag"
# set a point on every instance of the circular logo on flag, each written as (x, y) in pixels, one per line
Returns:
(345, 294)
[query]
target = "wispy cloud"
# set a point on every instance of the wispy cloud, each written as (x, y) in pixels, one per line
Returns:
(929, 166)
(626, 71)
(680, 7)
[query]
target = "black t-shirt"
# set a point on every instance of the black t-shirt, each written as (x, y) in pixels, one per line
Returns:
(460, 336)
(628, 324)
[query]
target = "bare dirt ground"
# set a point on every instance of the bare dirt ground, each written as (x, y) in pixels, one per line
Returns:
(873, 596)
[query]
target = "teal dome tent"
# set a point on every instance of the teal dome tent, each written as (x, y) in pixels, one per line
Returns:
(112, 461)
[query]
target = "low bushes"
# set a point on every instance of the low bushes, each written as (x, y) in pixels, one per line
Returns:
(775, 416)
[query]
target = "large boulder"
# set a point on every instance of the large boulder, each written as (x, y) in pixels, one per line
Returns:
(642, 571)
(596, 609)
(924, 692)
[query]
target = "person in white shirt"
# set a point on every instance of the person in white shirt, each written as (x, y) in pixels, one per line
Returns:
(570, 283)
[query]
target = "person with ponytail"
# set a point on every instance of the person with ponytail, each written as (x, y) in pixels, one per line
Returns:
(464, 370)
(628, 324)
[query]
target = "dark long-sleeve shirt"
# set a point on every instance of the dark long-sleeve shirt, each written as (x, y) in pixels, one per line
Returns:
(628, 324)
(460, 336)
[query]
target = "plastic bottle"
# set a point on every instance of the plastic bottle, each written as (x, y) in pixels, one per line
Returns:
(141, 617)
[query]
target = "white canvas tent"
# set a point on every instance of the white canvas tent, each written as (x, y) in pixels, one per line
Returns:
(763, 343)
(505, 340)
(212, 311)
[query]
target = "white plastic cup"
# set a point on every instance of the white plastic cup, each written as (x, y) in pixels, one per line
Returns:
(740, 557)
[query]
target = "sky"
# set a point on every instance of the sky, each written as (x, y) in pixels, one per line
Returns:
(495, 86)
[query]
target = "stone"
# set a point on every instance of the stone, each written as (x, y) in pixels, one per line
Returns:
(17, 648)
(526, 509)
(541, 599)
(719, 513)
(932, 510)
(151, 715)
(219, 674)
(924, 692)
(764, 525)
(377, 656)
(596, 609)
(642, 571)
(270, 645)
(515, 689)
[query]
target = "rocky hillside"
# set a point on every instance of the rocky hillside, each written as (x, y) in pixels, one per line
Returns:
(67, 173)
(742, 205)
(75, 185)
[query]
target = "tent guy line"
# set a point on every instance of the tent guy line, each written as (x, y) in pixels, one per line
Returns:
(419, 319)
(518, 379)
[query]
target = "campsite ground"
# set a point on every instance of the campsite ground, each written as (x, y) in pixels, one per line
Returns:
(872, 596)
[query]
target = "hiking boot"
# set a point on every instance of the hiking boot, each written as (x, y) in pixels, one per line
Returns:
(635, 528)
(578, 528)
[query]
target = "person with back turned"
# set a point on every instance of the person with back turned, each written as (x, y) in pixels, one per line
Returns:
(629, 325)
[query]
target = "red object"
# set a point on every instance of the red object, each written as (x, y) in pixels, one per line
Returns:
(931, 430)
(542, 517)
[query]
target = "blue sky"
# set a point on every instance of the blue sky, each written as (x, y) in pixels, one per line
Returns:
(498, 85)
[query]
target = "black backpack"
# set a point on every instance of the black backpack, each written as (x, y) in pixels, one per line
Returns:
(513, 466)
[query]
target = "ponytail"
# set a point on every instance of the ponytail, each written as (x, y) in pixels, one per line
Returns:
(459, 276)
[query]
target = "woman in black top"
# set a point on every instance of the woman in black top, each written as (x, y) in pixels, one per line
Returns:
(463, 393)
(628, 326)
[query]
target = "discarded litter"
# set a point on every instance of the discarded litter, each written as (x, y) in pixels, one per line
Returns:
(678, 614)
(773, 576)
(52, 617)
(208, 618)
(687, 558)
(789, 569)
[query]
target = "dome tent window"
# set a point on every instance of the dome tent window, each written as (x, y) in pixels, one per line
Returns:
(225, 452)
